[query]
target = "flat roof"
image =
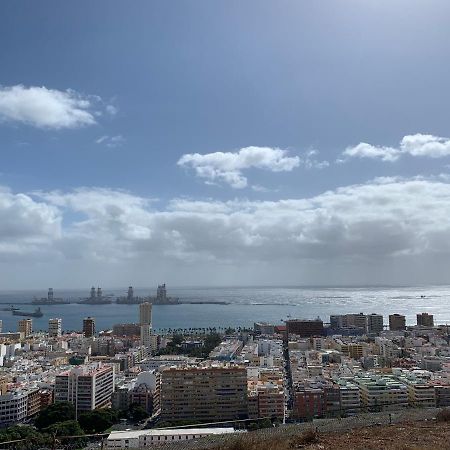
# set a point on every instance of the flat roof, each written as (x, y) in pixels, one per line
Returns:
(135, 434)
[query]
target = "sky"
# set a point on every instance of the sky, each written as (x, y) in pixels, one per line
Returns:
(203, 143)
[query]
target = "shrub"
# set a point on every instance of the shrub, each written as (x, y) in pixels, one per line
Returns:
(443, 415)
(307, 437)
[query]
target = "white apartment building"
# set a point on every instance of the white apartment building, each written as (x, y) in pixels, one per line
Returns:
(54, 327)
(381, 392)
(145, 322)
(88, 387)
(13, 407)
(349, 397)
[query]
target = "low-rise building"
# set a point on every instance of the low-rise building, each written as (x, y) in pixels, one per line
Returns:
(381, 392)
(148, 438)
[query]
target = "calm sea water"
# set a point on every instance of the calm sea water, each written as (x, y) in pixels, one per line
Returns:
(247, 305)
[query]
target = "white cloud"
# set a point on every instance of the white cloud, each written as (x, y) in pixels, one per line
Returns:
(227, 167)
(309, 161)
(356, 231)
(111, 141)
(26, 226)
(111, 110)
(425, 145)
(382, 219)
(364, 150)
(48, 108)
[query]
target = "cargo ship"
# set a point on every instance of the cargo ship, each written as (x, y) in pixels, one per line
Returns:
(50, 300)
(36, 313)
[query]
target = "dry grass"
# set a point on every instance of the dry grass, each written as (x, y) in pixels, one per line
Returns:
(253, 441)
(410, 436)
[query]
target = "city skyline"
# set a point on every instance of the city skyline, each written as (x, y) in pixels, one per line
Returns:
(224, 144)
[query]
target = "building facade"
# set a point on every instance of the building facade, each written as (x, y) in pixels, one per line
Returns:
(374, 323)
(425, 320)
(305, 328)
(89, 327)
(397, 322)
(25, 327)
(204, 393)
(87, 387)
(54, 327)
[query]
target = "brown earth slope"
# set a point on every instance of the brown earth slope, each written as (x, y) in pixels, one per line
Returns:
(405, 436)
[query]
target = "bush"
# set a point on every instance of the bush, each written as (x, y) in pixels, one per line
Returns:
(307, 437)
(443, 415)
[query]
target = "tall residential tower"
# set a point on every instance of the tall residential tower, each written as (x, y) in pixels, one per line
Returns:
(145, 322)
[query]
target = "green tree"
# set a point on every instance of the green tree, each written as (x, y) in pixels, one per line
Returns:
(55, 413)
(137, 413)
(265, 423)
(98, 420)
(177, 339)
(32, 438)
(65, 429)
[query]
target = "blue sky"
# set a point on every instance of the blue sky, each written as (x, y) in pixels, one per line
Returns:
(112, 114)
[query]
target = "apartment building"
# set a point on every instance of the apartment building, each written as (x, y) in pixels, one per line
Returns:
(305, 328)
(350, 399)
(374, 323)
(204, 393)
(25, 327)
(397, 322)
(89, 327)
(13, 407)
(127, 329)
(146, 391)
(425, 320)
(88, 387)
(268, 397)
(308, 402)
(381, 392)
(54, 327)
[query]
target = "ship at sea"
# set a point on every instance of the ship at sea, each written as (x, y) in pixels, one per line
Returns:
(161, 297)
(37, 313)
(10, 308)
(50, 300)
(96, 298)
(130, 299)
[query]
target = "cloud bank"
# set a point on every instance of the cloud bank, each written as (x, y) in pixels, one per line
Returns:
(41, 107)
(425, 145)
(377, 223)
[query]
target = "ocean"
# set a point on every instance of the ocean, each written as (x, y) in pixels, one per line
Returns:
(246, 306)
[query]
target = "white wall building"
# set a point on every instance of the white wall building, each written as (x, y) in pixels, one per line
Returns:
(149, 438)
(54, 327)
